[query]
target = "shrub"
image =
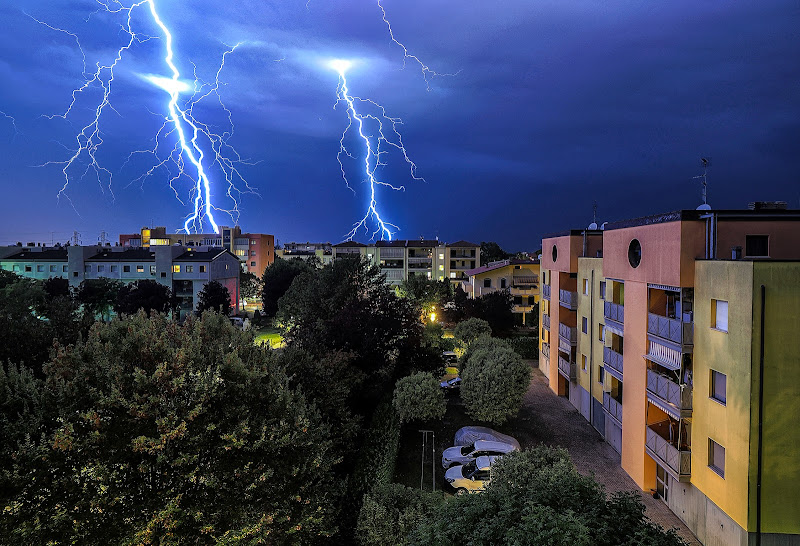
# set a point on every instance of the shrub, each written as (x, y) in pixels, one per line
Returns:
(418, 397)
(470, 330)
(494, 381)
(526, 347)
(391, 511)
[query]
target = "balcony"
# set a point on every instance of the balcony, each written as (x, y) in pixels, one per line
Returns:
(546, 291)
(612, 407)
(614, 311)
(670, 329)
(677, 398)
(568, 299)
(546, 350)
(568, 334)
(613, 361)
(567, 368)
(546, 321)
(392, 253)
(666, 452)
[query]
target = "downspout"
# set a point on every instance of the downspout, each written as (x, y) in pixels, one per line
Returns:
(591, 348)
(760, 416)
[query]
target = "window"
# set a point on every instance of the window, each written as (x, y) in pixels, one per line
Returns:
(601, 332)
(40, 269)
(63, 268)
(441, 268)
(452, 274)
(602, 290)
(190, 269)
(176, 268)
(719, 382)
(716, 457)
(15, 268)
(601, 376)
(152, 270)
(487, 283)
(555, 253)
(87, 268)
(74, 273)
(585, 287)
(252, 252)
(517, 300)
(126, 269)
(140, 268)
(253, 242)
(635, 253)
(202, 269)
(252, 264)
(757, 246)
(584, 363)
(441, 256)
(719, 315)
(52, 269)
(163, 274)
(502, 283)
(115, 269)
(584, 325)
(101, 268)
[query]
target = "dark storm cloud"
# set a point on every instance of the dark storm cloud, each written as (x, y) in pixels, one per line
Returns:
(555, 105)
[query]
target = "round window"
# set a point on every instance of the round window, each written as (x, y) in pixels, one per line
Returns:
(555, 253)
(635, 253)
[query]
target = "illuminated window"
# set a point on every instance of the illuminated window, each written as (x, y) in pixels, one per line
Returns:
(140, 268)
(716, 457)
(441, 268)
(585, 287)
(176, 269)
(152, 270)
(452, 274)
(441, 256)
(584, 366)
(719, 385)
(190, 269)
(719, 315)
(241, 253)
(253, 242)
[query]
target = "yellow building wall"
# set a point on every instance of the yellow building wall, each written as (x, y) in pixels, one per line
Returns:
(780, 508)
(728, 353)
(591, 307)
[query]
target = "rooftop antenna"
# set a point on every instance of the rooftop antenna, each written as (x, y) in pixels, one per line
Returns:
(706, 162)
(76, 238)
(593, 225)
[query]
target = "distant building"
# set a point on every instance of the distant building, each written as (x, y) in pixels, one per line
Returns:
(519, 277)
(184, 270)
(305, 251)
(431, 258)
(255, 250)
(676, 336)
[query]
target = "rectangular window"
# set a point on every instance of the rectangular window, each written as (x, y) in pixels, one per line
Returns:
(52, 269)
(176, 268)
(87, 268)
(252, 264)
(584, 325)
(126, 269)
(190, 269)
(585, 287)
(441, 268)
(40, 269)
(719, 315)
(719, 384)
(517, 300)
(63, 268)
(487, 283)
(101, 268)
(152, 270)
(584, 365)
(601, 332)
(716, 457)
(252, 252)
(253, 242)
(452, 274)
(602, 290)
(140, 268)
(757, 246)
(163, 274)
(601, 376)
(202, 269)
(115, 269)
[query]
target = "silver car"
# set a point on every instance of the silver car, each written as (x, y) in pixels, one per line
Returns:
(466, 454)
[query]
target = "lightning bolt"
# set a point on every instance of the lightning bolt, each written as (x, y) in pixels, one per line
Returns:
(13, 123)
(197, 146)
(386, 134)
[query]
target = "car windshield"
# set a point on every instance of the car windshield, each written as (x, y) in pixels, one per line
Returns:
(466, 450)
(469, 469)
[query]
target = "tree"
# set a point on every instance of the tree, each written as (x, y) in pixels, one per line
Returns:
(146, 294)
(469, 330)
(392, 511)
(496, 308)
(214, 297)
(538, 497)
(250, 285)
(277, 279)
(494, 381)
(418, 397)
(27, 336)
(55, 287)
(182, 434)
(99, 296)
(491, 252)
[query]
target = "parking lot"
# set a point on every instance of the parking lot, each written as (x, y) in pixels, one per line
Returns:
(544, 418)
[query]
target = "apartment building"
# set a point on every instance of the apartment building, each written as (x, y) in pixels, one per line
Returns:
(255, 250)
(519, 277)
(677, 339)
(184, 270)
(306, 251)
(430, 258)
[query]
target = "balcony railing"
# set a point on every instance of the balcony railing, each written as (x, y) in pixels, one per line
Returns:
(546, 350)
(667, 390)
(612, 407)
(567, 368)
(673, 330)
(392, 253)
(612, 358)
(568, 333)
(568, 299)
(546, 321)
(614, 311)
(666, 452)
(546, 291)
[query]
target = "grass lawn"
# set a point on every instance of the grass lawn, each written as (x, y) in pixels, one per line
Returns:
(269, 335)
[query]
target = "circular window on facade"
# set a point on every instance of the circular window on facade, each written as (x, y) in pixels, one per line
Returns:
(555, 253)
(635, 253)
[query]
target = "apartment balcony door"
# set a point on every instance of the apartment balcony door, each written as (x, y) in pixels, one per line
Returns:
(662, 483)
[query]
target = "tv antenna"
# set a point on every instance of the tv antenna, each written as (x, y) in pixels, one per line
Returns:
(706, 163)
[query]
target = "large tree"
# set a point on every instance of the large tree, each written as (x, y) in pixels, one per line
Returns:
(492, 252)
(182, 434)
(99, 296)
(214, 297)
(146, 294)
(250, 285)
(277, 279)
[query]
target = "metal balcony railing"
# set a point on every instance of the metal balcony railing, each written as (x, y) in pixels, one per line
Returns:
(546, 291)
(567, 368)
(546, 350)
(670, 329)
(546, 321)
(568, 333)
(668, 453)
(614, 311)
(612, 358)
(568, 299)
(612, 407)
(668, 391)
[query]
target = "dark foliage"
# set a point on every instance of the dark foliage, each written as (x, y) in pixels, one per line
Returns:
(277, 279)
(214, 297)
(99, 296)
(147, 294)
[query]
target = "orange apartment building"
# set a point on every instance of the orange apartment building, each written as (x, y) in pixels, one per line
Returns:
(678, 337)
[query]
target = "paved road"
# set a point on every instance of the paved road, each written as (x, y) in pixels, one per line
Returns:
(560, 424)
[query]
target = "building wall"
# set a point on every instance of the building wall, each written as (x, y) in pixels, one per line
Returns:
(783, 237)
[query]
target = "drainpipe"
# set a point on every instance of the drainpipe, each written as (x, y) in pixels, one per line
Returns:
(591, 346)
(760, 416)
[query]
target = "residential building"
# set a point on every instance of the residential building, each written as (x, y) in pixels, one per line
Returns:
(519, 277)
(430, 258)
(305, 251)
(255, 250)
(184, 270)
(695, 313)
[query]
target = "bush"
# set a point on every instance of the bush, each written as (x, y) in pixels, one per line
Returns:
(378, 457)
(469, 330)
(418, 397)
(391, 511)
(526, 347)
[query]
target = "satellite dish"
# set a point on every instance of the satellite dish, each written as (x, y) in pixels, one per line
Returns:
(593, 225)
(704, 206)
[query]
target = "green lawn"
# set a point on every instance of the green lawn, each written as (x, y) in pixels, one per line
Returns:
(269, 335)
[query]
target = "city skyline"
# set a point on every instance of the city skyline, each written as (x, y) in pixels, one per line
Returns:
(613, 103)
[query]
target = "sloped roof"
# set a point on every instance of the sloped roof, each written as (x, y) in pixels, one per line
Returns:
(128, 255)
(50, 255)
(349, 244)
(203, 255)
(463, 243)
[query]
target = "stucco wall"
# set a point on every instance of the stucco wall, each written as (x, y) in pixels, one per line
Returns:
(783, 237)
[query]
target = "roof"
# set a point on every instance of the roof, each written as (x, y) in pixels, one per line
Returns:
(463, 243)
(203, 255)
(423, 242)
(491, 266)
(128, 255)
(398, 242)
(349, 244)
(49, 255)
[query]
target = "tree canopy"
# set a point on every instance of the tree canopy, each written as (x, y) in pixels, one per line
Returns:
(277, 279)
(418, 397)
(214, 297)
(145, 294)
(99, 296)
(469, 330)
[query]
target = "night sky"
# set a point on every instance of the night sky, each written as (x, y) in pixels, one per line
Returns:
(556, 104)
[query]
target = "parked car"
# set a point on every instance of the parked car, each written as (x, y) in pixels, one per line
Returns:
(451, 384)
(467, 435)
(471, 477)
(467, 454)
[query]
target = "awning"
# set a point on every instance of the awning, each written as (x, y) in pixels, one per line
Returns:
(669, 409)
(528, 279)
(612, 327)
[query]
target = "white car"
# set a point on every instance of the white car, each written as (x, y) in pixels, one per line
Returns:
(471, 477)
(466, 454)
